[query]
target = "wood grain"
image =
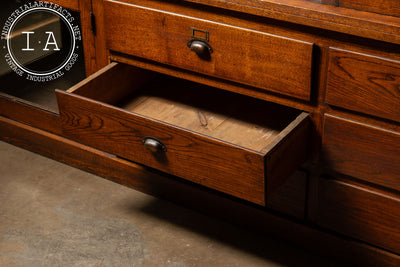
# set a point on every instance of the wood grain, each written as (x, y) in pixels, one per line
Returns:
(364, 83)
(101, 51)
(367, 215)
(386, 7)
(362, 151)
(26, 112)
(327, 17)
(267, 61)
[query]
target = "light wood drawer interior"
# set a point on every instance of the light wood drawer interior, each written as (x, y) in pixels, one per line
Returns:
(238, 145)
(270, 62)
(364, 83)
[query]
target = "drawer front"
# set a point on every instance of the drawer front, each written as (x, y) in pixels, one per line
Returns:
(362, 151)
(253, 58)
(208, 162)
(367, 215)
(364, 83)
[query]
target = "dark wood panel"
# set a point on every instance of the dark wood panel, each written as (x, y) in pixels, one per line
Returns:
(271, 62)
(386, 7)
(362, 151)
(358, 212)
(364, 83)
(290, 198)
(22, 111)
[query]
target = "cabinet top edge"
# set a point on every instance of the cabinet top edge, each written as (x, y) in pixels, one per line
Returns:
(338, 19)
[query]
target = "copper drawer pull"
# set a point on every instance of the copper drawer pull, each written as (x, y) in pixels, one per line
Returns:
(154, 145)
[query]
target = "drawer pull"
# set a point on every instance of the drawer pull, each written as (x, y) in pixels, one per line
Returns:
(154, 145)
(199, 47)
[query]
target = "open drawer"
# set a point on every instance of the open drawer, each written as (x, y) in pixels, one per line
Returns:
(234, 144)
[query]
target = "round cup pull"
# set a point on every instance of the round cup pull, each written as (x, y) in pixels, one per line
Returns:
(199, 47)
(154, 145)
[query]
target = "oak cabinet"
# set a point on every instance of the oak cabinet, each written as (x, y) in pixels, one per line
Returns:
(283, 115)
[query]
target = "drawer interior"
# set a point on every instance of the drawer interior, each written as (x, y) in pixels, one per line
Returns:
(226, 116)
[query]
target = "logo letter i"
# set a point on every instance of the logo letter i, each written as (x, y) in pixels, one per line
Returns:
(27, 42)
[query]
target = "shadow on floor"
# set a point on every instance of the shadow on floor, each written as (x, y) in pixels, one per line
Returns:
(259, 245)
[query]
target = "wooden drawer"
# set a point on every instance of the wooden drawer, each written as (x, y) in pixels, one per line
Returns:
(237, 145)
(367, 215)
(364, 83)
(258, 59)
(363, 151)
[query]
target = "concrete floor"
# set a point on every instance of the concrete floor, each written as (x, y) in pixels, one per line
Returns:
(54, 215)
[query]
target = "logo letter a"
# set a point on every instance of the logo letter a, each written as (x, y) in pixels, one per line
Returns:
(51, 35)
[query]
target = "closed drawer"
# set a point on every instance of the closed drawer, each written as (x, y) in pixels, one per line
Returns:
(363, 151)
(258, 59)
(364, 83)
(237, 145)
(367, 215)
